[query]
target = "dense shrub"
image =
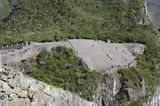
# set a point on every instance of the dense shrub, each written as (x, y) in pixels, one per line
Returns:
(62, 68)
(130, 78)
(43, 20)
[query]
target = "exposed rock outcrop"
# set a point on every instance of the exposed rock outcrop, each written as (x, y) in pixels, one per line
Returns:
(17, 89)
(146, 18)
(111, 86)
(155, 99)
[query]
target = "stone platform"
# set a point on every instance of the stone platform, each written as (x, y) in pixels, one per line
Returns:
(98, 55)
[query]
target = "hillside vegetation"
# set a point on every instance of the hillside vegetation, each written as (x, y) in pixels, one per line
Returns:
(50, 20)
(62, 68)
(55, 20)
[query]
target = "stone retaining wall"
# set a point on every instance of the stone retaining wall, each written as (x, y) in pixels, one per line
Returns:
(98, 55)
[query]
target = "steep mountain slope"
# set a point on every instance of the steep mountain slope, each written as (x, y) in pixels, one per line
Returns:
(39, 20)
(118, 20)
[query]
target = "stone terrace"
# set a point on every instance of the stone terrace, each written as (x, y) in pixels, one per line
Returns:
(98, 55)
(104, 56)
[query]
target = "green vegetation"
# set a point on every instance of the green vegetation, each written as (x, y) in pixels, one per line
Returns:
(48, 20)
(139, 102)
(62, 68)
(5, 9)
(104, 94)
(147, 68)
(130, 79)
(55, 20)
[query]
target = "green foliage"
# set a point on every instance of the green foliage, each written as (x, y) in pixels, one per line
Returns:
(130, 78)
(121, 96)
(55, 20)
(62, 68)
(48, 20)
(139, 102)
(148, 68)
(104, 94)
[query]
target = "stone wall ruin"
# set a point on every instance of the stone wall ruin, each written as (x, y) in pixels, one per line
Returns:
(98, 55)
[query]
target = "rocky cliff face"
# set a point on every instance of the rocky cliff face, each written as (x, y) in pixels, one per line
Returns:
(110, 85)
(146, 19)
(17, 89)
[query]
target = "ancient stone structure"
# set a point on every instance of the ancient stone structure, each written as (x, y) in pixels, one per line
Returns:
(105, 57)
(98, 55)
